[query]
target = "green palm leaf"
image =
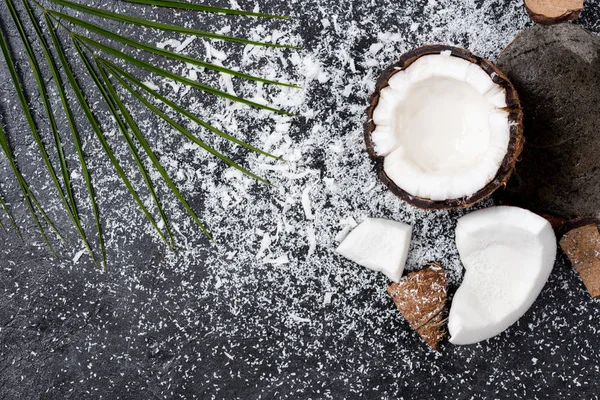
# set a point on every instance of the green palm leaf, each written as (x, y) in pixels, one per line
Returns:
(203, 8)
(102, 72)
(187, 133)
(183, 111)
(58, 82)
(70, 208)
(142, 140)
(162, 26)
(162, 52)
(123, 128)
(178, 78)
(12, 220)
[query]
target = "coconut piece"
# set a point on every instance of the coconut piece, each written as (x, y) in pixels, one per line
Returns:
(581, 244)
(508, 254)
(421, 298)
(549, 12)
(556, 70)
(378, 244)
(444, 127)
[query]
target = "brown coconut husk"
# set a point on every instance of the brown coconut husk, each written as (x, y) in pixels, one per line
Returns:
(549, 12)
(515, 145)
(421, 298)
(581, 243)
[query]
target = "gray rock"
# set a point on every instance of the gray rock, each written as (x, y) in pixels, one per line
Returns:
(556, 70)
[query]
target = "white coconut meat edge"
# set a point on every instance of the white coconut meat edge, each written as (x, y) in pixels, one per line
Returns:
(508, 254)
(380, 245)
(442, 127)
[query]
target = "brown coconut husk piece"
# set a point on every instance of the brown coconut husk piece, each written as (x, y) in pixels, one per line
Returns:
(421, 298)
(515, 145)
(548, 12)
(581, 244)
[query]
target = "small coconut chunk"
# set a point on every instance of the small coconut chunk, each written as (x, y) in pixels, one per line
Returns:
(553, 11)
(582, 245)
(441, 126)
(378, 244)
(421, 298)
(508, 254)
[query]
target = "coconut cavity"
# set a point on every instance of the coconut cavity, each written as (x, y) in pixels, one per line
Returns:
(442, 126)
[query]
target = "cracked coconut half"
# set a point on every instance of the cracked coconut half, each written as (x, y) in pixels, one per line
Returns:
(445, 127)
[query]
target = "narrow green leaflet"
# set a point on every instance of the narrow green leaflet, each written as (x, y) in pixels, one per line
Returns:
(72, 126)
(162, 26)
(123, 128)
(3, 204)
(28, 196)
(186, 133)
(144, 143)
(27, 193)
(203, 8)
(178, 78)
(162, 52)
(185, 112)
(12, 220)
(95, 127)
(41, 85)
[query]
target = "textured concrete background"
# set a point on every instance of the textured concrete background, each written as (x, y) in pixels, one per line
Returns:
(163, 326)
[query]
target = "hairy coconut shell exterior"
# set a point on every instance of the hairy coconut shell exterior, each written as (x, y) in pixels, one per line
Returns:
(549, 12)
(515, 145)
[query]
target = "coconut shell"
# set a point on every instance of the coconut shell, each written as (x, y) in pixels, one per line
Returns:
(515, 144)
(581, 244)
(556, 70)
(548, 12)
(421, 298)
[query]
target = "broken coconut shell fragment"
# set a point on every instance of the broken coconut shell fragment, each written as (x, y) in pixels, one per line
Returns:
(421, 298)
(444, 127)
(548, 12)
(556, 70)
(581, 244)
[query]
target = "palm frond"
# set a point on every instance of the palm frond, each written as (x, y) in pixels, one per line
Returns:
(58, 82)
(187, 133)
(203, 8)
(123, 128)
(131, 78)
(41, 86)
(28, 195)
(144, 143)
(162, 52)
(177, 78)
(99, 133)
(105, 74)
(163, 26)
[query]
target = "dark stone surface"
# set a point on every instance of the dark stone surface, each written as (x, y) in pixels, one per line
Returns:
(556, 70)
(186, 325)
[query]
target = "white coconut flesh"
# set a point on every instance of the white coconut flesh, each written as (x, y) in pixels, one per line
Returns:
(442, 127)
(378, 244)
(508, 254)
